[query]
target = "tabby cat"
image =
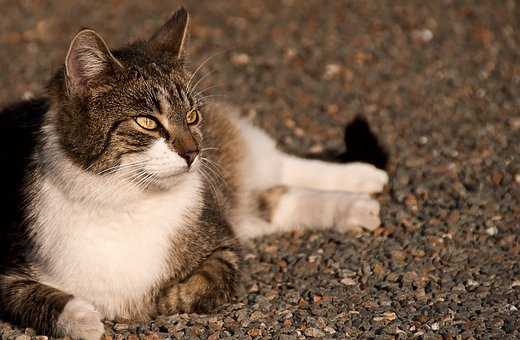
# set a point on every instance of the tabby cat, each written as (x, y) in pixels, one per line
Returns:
(125, 197)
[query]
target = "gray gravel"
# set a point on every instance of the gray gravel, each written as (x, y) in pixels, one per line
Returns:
(439, 83)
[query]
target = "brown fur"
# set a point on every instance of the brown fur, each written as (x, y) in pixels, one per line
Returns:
(31, 303)
(268, 201)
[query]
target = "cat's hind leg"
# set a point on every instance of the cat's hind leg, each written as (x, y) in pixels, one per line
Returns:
(315, 174)
(282, 209)
(266, 166)
(50, 311)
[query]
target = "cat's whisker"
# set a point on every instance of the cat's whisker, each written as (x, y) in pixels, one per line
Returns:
(122, 166)
(152, 180)
(129, 176)
(131, 172)
(210, 162)
(118, 173)
(188, 86)
(139, 184)
(207, 149)
(211, 184)
(89, 167)
(215, 174)
(134, 181)
(208, 88)
(201, 65)
(194, 87)
(211, 96)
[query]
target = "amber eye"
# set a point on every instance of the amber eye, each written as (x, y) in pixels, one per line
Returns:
(146, 123)
(192, 117)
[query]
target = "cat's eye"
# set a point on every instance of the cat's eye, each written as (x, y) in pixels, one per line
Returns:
(192, 117)
(146, 123)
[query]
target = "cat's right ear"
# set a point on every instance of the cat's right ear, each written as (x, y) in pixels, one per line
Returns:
(89, 62)
(171, 36)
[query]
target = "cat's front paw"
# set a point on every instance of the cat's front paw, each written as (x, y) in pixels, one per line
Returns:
(358, 212)
(80, 320)
(197, 295)
(362, 177)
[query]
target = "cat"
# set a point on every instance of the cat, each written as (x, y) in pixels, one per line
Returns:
(124, 196)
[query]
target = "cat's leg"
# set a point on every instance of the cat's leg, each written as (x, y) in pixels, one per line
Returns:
(315, 174)
(266, 165)
(285, 208)
(214, 283)
(48, 310)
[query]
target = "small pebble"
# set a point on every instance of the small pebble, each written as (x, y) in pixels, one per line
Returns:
(472, 283)
(313, 332)
(23, 337)
(240, 59)
(424, 35)
(121, 327)
(331, 71)
(329, 330)
(348, 281)
(492, 231)
(387, 316)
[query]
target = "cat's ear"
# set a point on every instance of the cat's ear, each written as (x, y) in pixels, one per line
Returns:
(89, 61)
(171, 36)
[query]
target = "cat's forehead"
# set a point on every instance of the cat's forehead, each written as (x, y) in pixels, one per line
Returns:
(155, 90)
(161, 98)
(171, 97)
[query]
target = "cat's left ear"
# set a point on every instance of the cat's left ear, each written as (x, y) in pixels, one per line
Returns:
(89, 62)
(171, 36)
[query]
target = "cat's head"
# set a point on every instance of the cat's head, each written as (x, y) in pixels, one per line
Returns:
(129, 112)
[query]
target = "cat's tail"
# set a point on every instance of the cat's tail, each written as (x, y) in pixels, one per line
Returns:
(361, 146)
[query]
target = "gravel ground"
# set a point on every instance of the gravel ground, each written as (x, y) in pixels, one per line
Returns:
(439, 83)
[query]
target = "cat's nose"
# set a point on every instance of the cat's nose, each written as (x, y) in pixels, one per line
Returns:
(189, 156)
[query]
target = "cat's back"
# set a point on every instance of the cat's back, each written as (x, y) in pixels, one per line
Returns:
(19, 126)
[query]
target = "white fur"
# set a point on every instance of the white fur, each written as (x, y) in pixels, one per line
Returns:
(265, 166)
(308, 208)
(357, 212)
(109, 248)
(80, 320)
(261, 167)
(321, 194)
(351, 177)
(162, 161)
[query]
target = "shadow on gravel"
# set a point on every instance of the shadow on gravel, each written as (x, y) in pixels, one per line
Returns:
(361, 144)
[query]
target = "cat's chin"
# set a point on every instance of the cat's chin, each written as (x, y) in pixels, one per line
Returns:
(167, 181)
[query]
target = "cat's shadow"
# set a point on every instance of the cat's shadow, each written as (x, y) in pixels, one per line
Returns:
(361, 144)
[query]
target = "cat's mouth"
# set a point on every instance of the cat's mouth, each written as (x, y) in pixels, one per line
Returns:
(166, 177)
(168, 174)
(167, 180)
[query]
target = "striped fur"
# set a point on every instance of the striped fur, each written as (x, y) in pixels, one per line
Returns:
(104, 218)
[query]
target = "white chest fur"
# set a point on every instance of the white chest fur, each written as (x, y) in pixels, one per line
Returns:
(110, 257)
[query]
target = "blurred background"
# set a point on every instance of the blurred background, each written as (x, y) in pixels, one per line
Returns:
(439, 84)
